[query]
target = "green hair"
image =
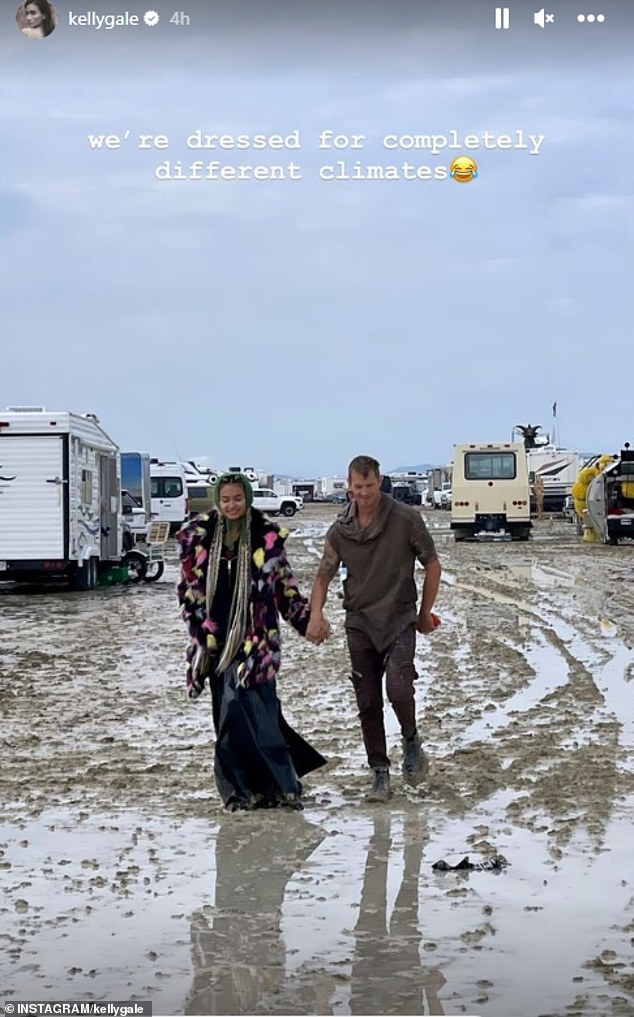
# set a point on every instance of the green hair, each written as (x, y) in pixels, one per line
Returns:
(239, 609)
(243, 481)
(233, 478)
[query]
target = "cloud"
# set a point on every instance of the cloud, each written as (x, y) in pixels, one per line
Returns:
(305, 320)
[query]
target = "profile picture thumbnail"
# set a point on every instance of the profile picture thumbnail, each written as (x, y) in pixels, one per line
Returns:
(36, 18)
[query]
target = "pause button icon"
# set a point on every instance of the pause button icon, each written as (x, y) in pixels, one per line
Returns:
(502, 17)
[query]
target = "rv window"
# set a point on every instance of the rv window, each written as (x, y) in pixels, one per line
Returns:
(489, 466)
(86, 487)
(173, 487)
(129, 502)
(166, 487)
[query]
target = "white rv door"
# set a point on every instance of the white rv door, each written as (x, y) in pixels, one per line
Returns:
(32, 497)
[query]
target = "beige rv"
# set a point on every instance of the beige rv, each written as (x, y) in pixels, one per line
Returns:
(490, 492)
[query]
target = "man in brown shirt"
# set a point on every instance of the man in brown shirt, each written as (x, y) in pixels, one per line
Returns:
(378, 540)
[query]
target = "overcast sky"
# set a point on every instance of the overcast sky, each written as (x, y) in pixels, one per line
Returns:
(293, 324)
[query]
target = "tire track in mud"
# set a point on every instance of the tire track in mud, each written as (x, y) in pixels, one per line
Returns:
(531, 716)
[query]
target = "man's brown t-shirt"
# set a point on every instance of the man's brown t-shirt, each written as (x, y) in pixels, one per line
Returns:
(379, 590)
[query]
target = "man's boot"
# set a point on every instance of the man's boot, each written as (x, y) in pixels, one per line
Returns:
(415, 762)
(380, 791)
(291, 800)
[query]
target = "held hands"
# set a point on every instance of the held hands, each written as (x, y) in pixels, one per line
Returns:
(427, 621)
(318, 629)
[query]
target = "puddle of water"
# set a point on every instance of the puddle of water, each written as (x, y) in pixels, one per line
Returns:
(535, 925)
(542, 576)
(550, 672)
(611, 679)
(101, 909)
(311, 530)
(278, 913)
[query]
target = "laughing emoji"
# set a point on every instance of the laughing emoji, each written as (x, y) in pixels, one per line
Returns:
(463, 169)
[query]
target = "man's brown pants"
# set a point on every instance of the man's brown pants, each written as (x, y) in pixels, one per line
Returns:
(368, 667)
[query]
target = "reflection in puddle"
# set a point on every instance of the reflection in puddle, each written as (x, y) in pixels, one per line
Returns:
(284, 914)
(542, 576)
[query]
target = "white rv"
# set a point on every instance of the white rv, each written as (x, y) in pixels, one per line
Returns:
(558, 468)
(490, 492)
(60, 496)
(168, 490)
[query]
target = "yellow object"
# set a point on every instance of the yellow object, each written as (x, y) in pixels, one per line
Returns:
(463, 169)
(627, 488)
(580, 489)
(588, 473)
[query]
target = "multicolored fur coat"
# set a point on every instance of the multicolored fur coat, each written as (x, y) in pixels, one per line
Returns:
(274, 591)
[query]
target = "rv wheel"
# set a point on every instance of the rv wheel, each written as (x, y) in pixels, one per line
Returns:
(136, 564)
(85, 576)
(154, 571)
(93, 573)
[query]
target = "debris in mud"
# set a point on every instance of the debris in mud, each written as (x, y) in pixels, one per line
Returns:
(494, 864)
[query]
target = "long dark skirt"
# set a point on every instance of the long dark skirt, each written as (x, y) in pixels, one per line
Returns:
(259, 758)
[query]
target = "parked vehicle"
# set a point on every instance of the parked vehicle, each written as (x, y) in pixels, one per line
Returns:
(386, 484)
(558, 468)
(305, 490)
(406, 493)
(568, 511)
(439, 497)
(168, 489)
(339, 497)
(134, 516)
(136, 478)
(490, 491)
(276, 504)
(199, 498)
(60, 499)
(610, 499)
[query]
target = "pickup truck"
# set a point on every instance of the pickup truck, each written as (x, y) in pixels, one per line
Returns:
(442, 496)
(276, 504)
(134, 515)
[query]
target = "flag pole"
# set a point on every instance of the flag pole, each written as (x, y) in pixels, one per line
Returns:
(554, 441)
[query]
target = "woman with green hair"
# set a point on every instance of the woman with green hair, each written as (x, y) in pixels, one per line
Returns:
(235, 582)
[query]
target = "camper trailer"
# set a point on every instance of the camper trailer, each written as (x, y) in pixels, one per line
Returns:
(490, 493)
(60, 496)
(558, 468)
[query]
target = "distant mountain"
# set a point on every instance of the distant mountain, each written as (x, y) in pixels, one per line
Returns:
(419, 468)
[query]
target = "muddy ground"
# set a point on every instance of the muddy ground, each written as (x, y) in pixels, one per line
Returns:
(122, 877)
